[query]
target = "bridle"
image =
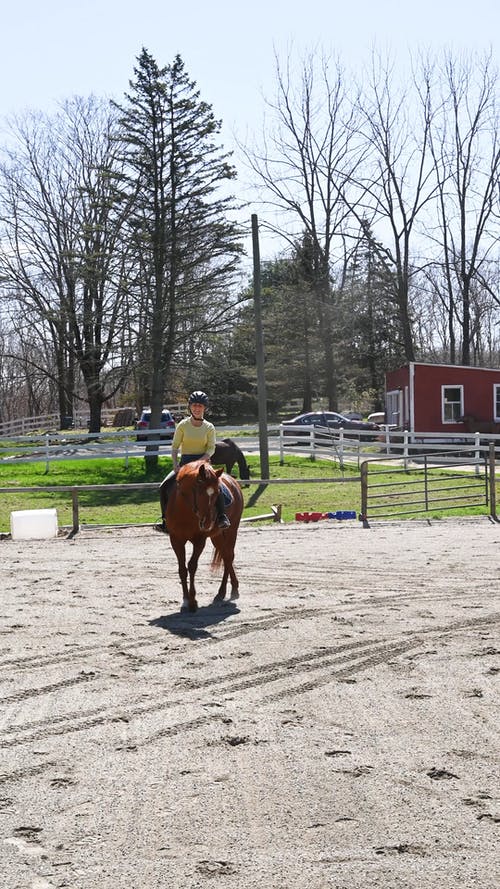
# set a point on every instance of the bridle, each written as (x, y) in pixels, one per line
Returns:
(207, 486)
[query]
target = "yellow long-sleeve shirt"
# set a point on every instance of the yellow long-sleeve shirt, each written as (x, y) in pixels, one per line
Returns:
(194, 439)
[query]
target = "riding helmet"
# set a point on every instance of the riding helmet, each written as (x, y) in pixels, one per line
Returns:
(198, 397)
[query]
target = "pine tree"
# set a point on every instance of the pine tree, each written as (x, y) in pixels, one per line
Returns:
(185, 246)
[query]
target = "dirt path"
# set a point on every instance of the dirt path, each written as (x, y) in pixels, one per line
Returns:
(337, 728)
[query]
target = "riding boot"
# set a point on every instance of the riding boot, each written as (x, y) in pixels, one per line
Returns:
(165, 489)
(222, 519)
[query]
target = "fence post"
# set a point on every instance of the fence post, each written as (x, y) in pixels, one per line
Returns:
(341, 445)
(364, 493)
(477, 450)
(76, 520)
(493, 487)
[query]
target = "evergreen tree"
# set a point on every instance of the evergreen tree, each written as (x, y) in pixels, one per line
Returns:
(186, 248)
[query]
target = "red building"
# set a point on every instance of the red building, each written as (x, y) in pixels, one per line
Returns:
(434, 398)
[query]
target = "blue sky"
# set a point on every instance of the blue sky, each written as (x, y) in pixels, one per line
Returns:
(51, 49)
(54, 49)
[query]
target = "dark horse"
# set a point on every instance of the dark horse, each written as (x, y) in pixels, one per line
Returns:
(484, 426)
(192, 516)
(227, 453)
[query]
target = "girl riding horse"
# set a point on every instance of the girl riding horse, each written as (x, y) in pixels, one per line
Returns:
(192, 518)
(195, 438)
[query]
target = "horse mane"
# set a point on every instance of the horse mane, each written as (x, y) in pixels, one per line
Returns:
(201, 470)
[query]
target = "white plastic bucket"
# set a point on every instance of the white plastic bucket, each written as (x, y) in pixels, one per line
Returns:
(33, 524)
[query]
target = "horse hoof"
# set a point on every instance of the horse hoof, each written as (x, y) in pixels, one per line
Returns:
(234, 595)
(219, 600)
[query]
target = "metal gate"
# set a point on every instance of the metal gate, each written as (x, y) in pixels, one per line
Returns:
(390, 491)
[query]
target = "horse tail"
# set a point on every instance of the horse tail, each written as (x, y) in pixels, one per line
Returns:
(216, 560)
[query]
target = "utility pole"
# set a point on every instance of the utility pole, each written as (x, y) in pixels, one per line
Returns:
(259, 350)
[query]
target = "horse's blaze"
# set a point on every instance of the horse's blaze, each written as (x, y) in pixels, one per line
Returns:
(210, 491)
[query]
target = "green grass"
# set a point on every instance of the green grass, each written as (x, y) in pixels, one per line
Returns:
(140, 506)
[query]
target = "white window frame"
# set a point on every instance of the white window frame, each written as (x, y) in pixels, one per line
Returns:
(496, 402)
(445, 403)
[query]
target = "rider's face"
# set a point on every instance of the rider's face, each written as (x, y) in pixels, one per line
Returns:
(197, 411)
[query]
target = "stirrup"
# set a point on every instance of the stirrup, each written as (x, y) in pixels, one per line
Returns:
(223, 521)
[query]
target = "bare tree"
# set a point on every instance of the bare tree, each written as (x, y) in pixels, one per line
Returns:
(397, 181)
(307, 157)
(465, 147)
(61, 253)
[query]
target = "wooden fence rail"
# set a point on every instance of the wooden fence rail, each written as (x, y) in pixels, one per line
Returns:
(75, 490)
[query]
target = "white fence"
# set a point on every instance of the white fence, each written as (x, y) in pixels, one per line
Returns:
(345, 446)
(339, 446)
(24, 425)
(52, 422)
(52, 447)
(45, 423)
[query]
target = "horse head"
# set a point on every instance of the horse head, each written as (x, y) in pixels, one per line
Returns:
(198, 483)
(207, 474)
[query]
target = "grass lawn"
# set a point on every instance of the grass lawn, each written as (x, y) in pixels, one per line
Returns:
(337, 491)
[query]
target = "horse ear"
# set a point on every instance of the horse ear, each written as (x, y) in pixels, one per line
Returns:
(219, 472)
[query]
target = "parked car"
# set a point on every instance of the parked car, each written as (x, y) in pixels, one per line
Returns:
(167, 424)
(330, 420)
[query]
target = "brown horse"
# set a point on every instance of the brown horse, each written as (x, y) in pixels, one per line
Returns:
(227, 453)
(192, 516)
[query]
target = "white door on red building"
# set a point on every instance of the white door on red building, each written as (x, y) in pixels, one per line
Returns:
(394, 407)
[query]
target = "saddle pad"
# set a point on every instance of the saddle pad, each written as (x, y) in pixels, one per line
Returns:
(228, 498)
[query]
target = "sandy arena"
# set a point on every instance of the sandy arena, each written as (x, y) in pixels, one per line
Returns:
(336, 728)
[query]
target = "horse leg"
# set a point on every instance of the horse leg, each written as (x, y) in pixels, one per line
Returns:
(228, 559)
(221, 592)
(198, 547)
(180, 551)
(234, 583)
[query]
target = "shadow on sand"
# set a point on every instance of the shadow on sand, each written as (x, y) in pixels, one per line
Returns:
(195, 626)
